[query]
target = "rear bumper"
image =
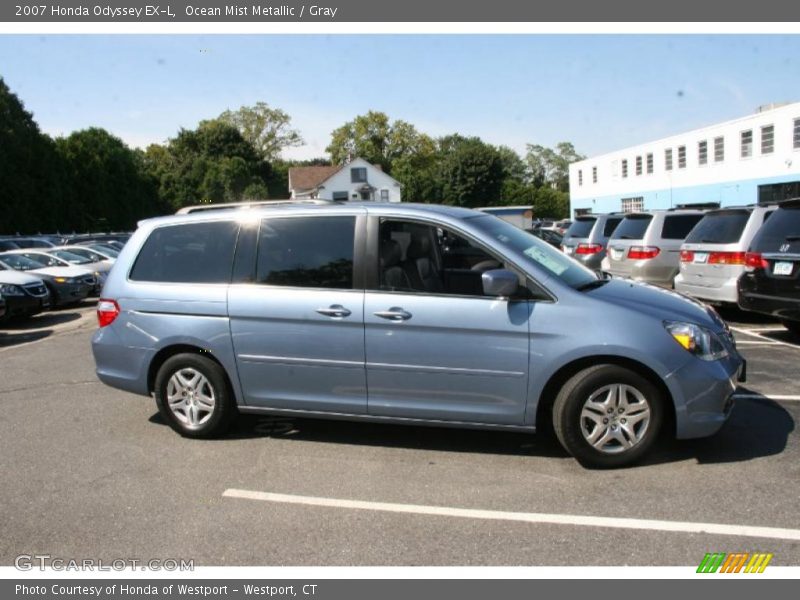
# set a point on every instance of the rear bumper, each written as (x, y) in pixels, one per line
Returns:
(725, 292)
(118, 365)
(647, 273)
(703, 393)
(780, 307)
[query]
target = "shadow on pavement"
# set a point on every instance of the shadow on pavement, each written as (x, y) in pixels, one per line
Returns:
(40, 321)
(13, 339)
(757, 428)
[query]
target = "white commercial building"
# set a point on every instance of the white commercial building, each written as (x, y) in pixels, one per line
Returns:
(755, 159)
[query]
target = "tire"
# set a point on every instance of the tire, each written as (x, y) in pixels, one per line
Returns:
(584, 402)
(793, 327)
(202, 404)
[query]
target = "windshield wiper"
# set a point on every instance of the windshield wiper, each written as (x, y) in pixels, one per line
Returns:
(590, 285)
(628, 237)
(792, 238)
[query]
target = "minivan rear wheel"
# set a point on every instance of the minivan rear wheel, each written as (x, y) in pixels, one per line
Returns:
(193, 396)
(608, 416)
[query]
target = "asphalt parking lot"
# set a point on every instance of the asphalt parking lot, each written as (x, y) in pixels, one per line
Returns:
(91, 472)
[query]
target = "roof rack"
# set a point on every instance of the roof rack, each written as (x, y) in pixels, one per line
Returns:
(186, 210)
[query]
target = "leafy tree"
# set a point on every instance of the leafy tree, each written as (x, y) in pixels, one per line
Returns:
(551, 166)
(267, 129)
(471, 172)
(212, 163)
(376, 140)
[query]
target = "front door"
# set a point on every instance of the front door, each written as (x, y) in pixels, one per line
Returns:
(298, 330)
(436, 348)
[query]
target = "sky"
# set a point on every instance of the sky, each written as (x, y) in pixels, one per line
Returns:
(600, 92)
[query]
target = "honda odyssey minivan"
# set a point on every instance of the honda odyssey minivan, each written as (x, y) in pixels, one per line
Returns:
(403, 313)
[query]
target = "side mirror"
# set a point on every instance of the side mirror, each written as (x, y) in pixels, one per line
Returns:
(499, 282)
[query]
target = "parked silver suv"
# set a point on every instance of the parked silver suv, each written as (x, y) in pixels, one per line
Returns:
(646, 246)
(403, 313)
(587, 237)
(713, 255)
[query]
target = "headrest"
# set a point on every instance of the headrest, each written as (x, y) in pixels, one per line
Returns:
(420, 246)
(391, 253)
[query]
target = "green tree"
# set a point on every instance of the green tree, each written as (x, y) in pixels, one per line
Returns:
(212, 163)
(471, 172)
(550, 166)
(267, 129)
(376, 140)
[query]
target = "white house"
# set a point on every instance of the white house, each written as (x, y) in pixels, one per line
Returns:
(356, 180)
(754, 159)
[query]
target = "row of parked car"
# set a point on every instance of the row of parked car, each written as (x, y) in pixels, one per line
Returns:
(41, 272)
(745, 255)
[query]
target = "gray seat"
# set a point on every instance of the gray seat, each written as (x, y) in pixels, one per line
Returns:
(393, 277)
(420, 266)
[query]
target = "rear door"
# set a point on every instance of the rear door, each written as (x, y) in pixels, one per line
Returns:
(778, 242)
(578, 232)
(675, 228)
(296, 316)
(712, 254)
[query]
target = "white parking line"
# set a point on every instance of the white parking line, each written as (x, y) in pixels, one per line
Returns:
(751, 343)
(766, 339)
(766, 397)
(499, 515)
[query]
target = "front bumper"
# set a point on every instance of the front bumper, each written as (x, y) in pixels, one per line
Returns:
(703, 393)
(25, 306)
(69, 293)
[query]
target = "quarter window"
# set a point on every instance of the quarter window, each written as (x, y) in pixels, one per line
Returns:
(677, 227)
(188, 253)
(747, 143)
(311, 252)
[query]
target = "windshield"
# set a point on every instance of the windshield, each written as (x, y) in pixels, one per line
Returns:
(723, 227)
(70, 257)
(632, 228)
(108, 251)
(19, 262)
(540, 253)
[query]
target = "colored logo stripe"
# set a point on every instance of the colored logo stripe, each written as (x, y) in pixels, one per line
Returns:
(733, 563)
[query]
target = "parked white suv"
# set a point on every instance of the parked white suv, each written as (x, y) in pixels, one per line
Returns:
(713, 255)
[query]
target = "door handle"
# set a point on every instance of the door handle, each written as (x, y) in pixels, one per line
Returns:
(393, 314)
(334, 310)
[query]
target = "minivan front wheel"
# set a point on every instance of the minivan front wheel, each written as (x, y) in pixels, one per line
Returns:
(193, 395)
(608, 416)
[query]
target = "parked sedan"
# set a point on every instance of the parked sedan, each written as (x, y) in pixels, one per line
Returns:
(62, 258)
(25, 295)
(67, 285)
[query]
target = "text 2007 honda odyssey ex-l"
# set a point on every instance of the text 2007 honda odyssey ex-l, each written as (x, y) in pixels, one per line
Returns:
(415, 314)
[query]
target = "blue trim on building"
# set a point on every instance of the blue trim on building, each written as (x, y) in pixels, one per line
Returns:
(729, 193)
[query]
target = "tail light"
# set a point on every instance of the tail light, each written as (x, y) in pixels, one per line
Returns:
(726, 258)
(643, 252)
(687, 256)
(754, 261)
(107, 311)
(588, 248)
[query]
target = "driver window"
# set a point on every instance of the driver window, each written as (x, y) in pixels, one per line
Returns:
(414, 257)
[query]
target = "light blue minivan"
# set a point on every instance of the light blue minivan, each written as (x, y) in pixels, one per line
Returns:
(404, 313)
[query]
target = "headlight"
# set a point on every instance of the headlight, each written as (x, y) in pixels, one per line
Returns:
(8, 289)
(65, 280)
(700, 341)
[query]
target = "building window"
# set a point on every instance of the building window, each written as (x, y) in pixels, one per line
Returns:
(681, 157)
(340, 196)
(767, 139)
(384, 195)
(633, 204)
(796, 138)
(719, 149)
(594, 174)
(650, 163)
(358, 174)
(668, 159)
(638, 165)
(702, 152)
(580, 177)
(624, 167)
(747, 143)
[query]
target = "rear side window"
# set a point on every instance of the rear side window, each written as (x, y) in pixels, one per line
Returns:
(783, 227)
(719, 228)
(611, 225)
(312, 252)
(632, 228)
(580, 228)
(677, 227)
(188, 253)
